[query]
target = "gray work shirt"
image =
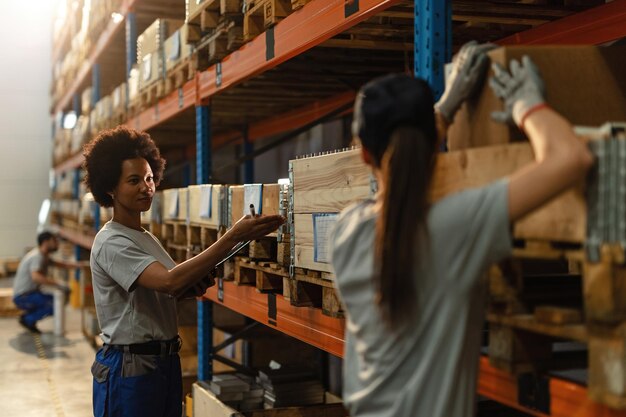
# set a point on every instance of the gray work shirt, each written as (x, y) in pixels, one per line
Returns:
(429, 367)
(129, 313)
(23, 282)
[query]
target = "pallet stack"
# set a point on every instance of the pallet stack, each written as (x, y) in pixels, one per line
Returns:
(566, 277)
(219, 29)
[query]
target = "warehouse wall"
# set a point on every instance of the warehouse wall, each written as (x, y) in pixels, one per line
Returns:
(25, 139)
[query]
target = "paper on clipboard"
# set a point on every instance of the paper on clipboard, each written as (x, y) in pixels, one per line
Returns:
(252, 194)
(206, 201)
(323, 224)
(173, 204)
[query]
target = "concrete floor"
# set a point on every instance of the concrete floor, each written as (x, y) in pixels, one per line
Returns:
(47, 378)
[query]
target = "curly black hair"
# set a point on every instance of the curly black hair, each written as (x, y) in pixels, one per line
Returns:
(105, 154)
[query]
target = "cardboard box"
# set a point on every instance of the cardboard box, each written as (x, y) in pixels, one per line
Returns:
(133, 83)
(586, 84)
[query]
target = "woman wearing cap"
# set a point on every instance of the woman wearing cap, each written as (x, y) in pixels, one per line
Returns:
(408, 271)
(136, 283)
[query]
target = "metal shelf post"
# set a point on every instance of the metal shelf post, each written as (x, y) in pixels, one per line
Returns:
(433, 41)
(248, 167)
(131, 47)
(205, 308)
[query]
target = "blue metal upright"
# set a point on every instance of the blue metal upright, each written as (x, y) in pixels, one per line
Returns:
(433, 41)
(205, 308)
(95, 97)
(131, 46)
(248, 167)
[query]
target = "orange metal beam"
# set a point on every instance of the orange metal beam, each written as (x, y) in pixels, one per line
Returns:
(592, 27)
(306, 324)
(302, 30)
(178, 100)
(78, 238)
(288, 121)
(98, 48)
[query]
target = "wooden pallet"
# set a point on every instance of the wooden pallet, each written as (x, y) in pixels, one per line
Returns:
(174, 232)
(226, 38)
(179, 253)
(177, 76)
(263, 250)
(298, 4)
(148, 95)
(206, 15)
(311, 288)
(200, 236)
(265, 276)
(262, 14)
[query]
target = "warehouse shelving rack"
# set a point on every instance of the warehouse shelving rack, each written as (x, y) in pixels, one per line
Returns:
(297, 34)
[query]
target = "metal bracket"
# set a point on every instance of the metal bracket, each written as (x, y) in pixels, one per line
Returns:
(606, 190)
(290, 222)
(229, 208)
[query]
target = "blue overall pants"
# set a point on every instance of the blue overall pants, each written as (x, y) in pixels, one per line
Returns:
(132, 385)
(36, 305)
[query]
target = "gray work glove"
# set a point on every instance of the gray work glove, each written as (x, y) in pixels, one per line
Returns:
(469, 66)
(521, 90)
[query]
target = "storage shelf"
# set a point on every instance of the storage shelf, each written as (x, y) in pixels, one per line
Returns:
(595, 26)
(85, 69)
(78, 238)
(303, 323)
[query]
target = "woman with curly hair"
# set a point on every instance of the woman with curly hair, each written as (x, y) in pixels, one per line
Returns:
(136, 283)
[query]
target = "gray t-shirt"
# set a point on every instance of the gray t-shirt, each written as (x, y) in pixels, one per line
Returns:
(129, 313)
(23, 282)
(429, 367)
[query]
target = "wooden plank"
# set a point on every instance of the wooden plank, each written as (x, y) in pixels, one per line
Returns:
(303, 229)
(530, 323)
(557, 315)
(304, 259)
(271, 199)
(236, 202)
(563, 219)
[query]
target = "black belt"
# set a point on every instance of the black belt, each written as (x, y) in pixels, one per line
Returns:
(163, 348)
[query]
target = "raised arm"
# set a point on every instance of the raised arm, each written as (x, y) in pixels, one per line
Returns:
(562, 159)
(469, 67)
(186, 274)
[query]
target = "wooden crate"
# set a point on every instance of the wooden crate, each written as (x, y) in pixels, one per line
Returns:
(204, 14)
(195, 196)
(270, 201)
(175, 204)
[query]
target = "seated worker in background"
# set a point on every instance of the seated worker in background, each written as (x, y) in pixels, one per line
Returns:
(30, 276)
(135, 281)
(409, 270)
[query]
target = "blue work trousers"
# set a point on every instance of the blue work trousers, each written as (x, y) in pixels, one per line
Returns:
(130, 385)
(36, 305)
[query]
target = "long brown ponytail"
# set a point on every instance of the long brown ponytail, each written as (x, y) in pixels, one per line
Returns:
(407, 167)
